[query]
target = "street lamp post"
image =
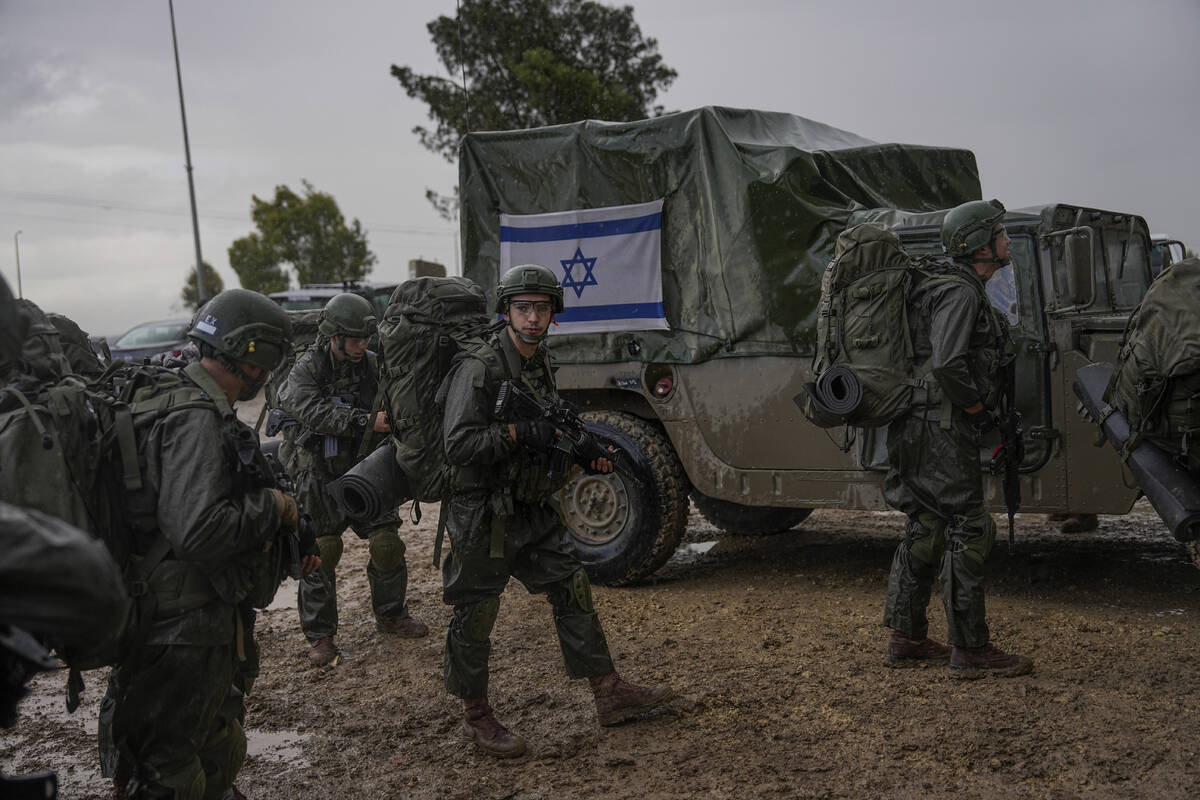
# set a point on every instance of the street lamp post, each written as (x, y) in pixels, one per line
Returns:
(17, 248)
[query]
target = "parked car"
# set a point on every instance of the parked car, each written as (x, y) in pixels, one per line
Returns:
(151, 338)
(316, 295)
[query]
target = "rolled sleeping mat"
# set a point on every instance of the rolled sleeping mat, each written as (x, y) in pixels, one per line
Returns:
(837, 390)
(1174, 494)
(372, 487)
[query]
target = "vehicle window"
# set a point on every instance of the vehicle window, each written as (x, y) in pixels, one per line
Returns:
(1002, 292)
(301, 305)
(154, 334)
(381, 302)
(1128, 266)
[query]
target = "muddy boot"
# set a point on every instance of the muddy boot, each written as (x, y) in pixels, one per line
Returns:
(618, 700)
(979, 662)
(905, 652)
(406, 627)
(1080, 523)
(481, 726)
(322, 651)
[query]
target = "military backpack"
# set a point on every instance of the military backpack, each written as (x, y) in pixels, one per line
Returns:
(1157, 383)
(428, 321)
(865, 367)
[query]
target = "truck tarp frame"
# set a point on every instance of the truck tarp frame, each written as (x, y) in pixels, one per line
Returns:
(754, 203)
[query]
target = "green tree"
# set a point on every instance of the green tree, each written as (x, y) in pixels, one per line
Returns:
(212, 285)
(308, 234)
(530, 63)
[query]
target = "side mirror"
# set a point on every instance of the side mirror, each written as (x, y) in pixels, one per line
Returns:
(1081, 280)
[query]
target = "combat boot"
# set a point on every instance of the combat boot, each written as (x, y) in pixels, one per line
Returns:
(119, 789)
(979, 662)
(322, 651)
(481, 726)
(905, 652)
(618, 700)
(406, 627)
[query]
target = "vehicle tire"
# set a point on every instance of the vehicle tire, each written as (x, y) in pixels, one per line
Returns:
(739, 520)
(624, 532)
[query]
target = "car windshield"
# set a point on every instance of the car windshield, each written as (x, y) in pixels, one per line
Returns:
(303, 304)
(154, 333)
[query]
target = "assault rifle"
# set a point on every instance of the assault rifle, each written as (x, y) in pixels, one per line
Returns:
(1007, 457)
(574, 444)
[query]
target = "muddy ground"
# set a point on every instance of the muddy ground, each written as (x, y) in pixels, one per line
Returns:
(775, 646)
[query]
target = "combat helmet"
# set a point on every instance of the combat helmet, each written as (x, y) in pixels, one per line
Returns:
(528, 279)
(970, 226)
(348, 314)
(242, 325)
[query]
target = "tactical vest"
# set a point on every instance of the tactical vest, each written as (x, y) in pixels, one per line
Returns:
(524, 475)
(358, 390)
(989, 344)
(173, 586)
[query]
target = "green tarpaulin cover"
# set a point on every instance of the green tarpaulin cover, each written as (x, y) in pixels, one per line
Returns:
(754, 201)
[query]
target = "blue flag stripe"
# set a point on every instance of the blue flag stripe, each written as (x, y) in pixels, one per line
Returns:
(582, 230)
(613, 311)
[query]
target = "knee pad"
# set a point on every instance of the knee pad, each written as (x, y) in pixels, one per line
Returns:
(926, 538)
(223, 756)
(186, 784)
(574, 595)
(330, 548)
(476, 621)
(973, 536)
(387, 550)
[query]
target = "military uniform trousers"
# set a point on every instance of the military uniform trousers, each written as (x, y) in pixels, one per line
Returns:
(171, 737)
(537, 552)
(387, 571)
(934, 477)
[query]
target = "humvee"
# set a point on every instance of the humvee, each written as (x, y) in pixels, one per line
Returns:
(752, 205)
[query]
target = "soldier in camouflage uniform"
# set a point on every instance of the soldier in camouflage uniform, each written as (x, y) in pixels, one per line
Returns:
(211, 527)
(332, 393)
(934, 473)
(501, 525)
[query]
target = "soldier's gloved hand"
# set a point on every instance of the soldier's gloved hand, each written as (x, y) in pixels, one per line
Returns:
(981, 421)
(535, 434)
(306, 532)
(289, 512)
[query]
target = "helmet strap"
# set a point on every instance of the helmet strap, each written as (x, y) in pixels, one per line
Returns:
(253, 385)
(525, 337)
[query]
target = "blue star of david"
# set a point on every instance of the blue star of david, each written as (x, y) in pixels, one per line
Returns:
(589, 279)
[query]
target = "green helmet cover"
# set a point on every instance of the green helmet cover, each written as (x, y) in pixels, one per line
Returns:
(244, 326)
(528, 279)
(970, 226)
(348, 314)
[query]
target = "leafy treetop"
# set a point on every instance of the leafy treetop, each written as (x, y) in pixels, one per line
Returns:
(308, 233)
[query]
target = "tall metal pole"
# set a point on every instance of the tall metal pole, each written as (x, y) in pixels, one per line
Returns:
(17, 247)
(201, 295)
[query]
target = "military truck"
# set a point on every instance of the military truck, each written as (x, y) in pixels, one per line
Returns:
(752, 203)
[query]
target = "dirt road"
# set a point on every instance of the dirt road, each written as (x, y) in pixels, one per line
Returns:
(776, 649)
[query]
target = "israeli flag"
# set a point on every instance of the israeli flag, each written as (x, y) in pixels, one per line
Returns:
(608, 259)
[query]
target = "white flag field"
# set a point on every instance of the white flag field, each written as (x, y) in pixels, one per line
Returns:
(609, 261)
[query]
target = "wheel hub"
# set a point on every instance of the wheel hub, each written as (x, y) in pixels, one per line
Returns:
(595, 507)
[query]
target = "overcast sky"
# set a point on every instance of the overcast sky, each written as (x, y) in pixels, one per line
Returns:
(1091, 102)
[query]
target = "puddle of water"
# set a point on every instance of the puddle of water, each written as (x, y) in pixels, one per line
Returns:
(285, 598)
(286, 746)
(1170, 612)
(691, 552)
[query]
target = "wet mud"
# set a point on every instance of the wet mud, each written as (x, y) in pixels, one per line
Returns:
(775, 647)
